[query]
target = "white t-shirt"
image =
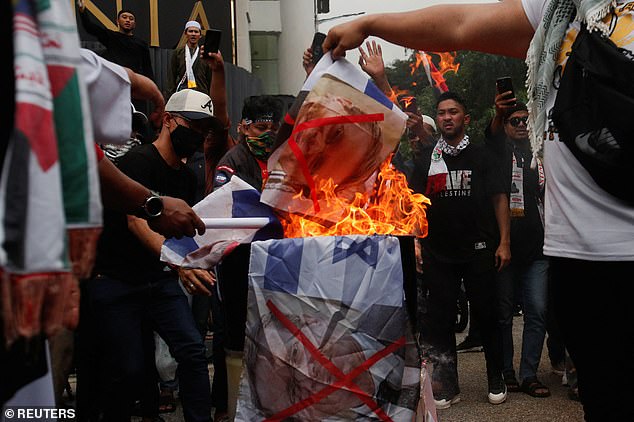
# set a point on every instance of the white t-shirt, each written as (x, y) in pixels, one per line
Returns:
(582, 220)
(109, 96)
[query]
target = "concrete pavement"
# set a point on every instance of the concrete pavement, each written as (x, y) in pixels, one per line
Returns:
(474, 406)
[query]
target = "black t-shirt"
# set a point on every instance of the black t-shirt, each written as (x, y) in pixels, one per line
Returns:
(527, 232)
(120, 254)
(126, 50)
(461, 218)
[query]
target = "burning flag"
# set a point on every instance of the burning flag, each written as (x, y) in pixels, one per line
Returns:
(234, 200)
(327, 334)
(435, 75)
(340, 129)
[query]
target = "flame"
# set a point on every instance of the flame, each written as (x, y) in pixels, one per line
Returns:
(446, 63)
(397, 93)
(407, 101)
(393, 209)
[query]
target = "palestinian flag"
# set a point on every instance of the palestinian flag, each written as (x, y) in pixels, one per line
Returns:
(49, 185)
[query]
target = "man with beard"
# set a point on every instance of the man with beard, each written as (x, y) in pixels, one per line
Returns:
(187, 69)
(468, 239)
(132, 292)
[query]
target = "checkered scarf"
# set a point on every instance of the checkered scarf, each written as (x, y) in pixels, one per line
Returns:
(542, 54)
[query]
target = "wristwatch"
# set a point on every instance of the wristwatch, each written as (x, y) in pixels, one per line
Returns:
(153, 206)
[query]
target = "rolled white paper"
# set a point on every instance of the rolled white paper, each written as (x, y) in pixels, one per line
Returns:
(235, 223)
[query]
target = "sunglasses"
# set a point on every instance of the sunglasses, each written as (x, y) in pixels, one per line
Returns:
(515, 121)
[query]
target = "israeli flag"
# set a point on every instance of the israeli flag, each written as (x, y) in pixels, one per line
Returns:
(236, 199)
(327, 336)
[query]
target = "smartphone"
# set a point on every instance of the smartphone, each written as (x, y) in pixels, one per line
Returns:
(408, 104)
(212, 40)
(505, 84)
(318, 40)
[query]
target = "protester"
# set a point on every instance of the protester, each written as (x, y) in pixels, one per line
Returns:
(187, 69)
(132, 290)
(468, 239)
(109, 87)
(261, 116)
(122, 46)
(589, 233)
(507, 134)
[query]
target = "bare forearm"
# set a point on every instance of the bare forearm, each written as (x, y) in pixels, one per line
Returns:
(149, 238)
(218, 94)
(503, 217)
(143, 88)
(481, 27)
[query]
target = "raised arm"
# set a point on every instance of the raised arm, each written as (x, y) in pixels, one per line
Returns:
(217, 89)
(144, 88)
(91, 27)
(372, 64)
(486, 27)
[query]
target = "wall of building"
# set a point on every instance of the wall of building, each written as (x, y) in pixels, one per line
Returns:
(298, 28)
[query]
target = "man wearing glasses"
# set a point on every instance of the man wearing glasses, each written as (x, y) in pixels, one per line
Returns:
(528, 271)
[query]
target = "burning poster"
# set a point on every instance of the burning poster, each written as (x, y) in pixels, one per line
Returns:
(327, 334)
(338, 132)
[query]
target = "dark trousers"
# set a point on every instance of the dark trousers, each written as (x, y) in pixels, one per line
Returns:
(442, 281)
(593, 304)
(121, 315)
(233, 277)
(201, 307)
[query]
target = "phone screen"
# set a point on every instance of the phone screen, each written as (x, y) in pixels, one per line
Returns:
(318, 40)
(212, 40)
(505, 84)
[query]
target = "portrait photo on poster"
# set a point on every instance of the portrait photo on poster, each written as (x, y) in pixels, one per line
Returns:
(341, 136)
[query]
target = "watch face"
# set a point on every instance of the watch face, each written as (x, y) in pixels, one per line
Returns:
(154, 206)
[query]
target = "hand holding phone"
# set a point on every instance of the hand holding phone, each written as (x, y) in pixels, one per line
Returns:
(505, 84)
(318, 51)
(212, 40)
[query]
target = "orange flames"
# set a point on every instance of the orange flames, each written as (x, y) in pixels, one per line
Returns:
(407, 101)
(446, 63)
(398, 93)
(392, 209)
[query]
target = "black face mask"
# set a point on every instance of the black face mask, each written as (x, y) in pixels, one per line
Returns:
(186, 141)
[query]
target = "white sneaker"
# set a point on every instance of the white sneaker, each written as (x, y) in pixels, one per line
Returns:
(446, 403)
(498, 398)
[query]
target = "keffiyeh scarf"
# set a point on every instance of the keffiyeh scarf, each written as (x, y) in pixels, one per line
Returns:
(542, 55)
(437, 174)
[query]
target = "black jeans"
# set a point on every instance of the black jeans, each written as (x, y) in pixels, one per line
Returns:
(593, 304)
(442, 281)
(120, 314)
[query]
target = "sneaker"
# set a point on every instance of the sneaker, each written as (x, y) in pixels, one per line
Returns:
(497, 392)
(469, 345)
(446, 403)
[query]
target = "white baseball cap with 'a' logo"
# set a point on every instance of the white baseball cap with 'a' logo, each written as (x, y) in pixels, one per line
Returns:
(191, 104)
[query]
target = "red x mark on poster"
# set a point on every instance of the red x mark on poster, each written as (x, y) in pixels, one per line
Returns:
(344, 381)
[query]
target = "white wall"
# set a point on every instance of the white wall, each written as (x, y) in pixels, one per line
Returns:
(298, 27)
(242, 35)
(265, 16)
